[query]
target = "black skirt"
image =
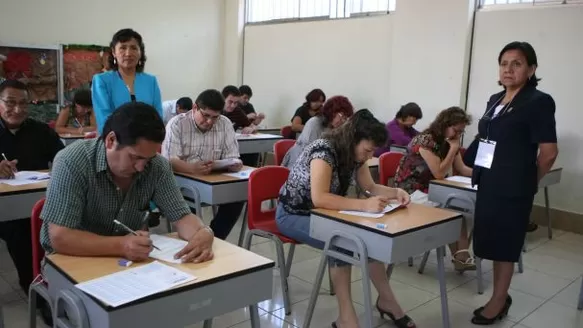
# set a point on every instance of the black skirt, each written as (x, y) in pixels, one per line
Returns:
(500, 226)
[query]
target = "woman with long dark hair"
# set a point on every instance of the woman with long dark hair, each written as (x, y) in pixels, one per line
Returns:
(518, 146)
(320, 179)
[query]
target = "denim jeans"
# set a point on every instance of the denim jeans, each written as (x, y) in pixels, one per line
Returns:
(297, 227)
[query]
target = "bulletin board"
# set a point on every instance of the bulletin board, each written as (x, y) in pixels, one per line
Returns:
(80, 63)
(39, 67)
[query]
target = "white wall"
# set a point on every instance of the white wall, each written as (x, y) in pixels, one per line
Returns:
(283, 62)
(183, 38)
(379, 62)
(559, 46)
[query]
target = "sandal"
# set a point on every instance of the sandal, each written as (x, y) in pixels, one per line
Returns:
(403, 322)
(468, 265)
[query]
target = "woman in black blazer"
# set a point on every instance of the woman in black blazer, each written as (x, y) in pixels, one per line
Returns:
(518, 146)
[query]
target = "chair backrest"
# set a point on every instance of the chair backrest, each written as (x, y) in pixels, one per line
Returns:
(287, 132)
(388, 164)
(38, 252)
(280, 148)
(264, 184)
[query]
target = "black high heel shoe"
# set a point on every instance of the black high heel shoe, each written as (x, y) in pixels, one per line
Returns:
(480, 320)
(403, 322)
(479, 310)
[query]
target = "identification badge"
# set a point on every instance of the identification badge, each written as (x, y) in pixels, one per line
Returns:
(485, 154)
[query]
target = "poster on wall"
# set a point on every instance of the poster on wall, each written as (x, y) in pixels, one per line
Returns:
(38, 68)
(80, 63)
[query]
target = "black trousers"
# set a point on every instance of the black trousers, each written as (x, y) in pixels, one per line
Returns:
(250, 159)
(225, 219)
(16, 234)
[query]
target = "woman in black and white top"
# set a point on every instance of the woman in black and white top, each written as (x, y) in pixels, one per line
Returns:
(320, 178)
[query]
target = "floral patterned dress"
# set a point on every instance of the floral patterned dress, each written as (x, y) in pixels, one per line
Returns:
(413, 172)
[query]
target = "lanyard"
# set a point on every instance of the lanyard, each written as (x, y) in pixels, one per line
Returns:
(488, 119)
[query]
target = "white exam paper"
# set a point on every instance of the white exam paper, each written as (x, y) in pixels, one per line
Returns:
(460, 179)
(26, 177)
(243, 174)
(132, 284)
(168, 248)
(388, 208)
(224, 163)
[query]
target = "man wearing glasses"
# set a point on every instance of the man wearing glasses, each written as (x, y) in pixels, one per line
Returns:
(197, 138)
(26, 145)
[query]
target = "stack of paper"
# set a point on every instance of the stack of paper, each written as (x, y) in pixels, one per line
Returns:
(243, 174)
(388, 208)
(460, 179)
(26, 177)
(168, 248)
(132, 284)
(221, 164)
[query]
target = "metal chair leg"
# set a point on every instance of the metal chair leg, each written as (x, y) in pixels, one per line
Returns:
(243, 226)
(332, 292)
(520, 265)
(580, 303)
(423, 262)
(479, 279)
(290, 258)
(410, 261)
(283, 274)
(548, 212)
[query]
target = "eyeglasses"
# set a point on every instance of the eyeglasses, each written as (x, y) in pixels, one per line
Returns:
(23, 104)
(209, 117)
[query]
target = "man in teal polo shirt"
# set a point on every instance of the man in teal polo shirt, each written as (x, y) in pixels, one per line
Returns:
(94, 182)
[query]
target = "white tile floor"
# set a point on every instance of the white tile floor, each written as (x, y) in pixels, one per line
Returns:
(545, 295)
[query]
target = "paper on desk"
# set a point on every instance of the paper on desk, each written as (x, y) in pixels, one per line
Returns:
(243, 174)
(26, 177)
(388, 208)
(460, 179)
(168, 248)
(224, 163)
(132, 284)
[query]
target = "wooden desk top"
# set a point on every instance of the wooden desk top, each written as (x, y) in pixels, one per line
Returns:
(6, 189)
(373, 162)
(257, 136)
(413, 217)
(229, 261)
(71, 136)
(214, 178)
(468, 187)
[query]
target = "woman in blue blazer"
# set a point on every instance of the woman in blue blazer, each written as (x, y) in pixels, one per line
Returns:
(126, 81)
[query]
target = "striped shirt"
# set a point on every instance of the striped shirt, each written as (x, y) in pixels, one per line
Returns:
(81, 194)
(185, 141)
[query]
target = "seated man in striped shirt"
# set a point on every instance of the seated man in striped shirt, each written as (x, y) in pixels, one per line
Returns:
(239, 119)
(197, 138)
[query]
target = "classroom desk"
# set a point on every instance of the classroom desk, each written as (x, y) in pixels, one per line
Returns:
(257, 143)
(69, 138)
(235, 278)
(214, 189)
(274, 131)
(16, 202)
(398, 149)
(439, 190)
(408, 232)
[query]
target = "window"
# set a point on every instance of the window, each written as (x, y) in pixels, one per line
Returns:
(277, 10)
(486, 3)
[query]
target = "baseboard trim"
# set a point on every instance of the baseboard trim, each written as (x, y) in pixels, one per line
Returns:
(562, 220)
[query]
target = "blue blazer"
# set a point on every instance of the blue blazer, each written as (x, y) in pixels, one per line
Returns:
(109, 91)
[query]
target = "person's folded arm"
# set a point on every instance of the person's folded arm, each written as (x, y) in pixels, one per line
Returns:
(543, 132)
(439, 168)
(61, 126)
(297, 125)
(461, 167)
(320, 177)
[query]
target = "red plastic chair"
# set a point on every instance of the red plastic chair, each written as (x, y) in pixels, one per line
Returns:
(38, 286)
(286, 132)
(52, 124)
(388, 164)
(264, 184)
(280, 148)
